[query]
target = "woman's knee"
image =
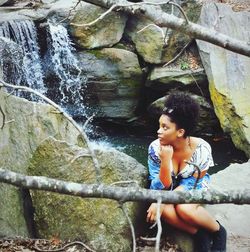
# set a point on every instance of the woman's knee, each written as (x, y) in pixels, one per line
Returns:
(186, 211)
(168, 212)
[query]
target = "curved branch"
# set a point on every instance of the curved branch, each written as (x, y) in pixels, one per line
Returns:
(66, 246)
(3, 115)
(181, 10)
(124, 194)
(125, 212)
(159, 227)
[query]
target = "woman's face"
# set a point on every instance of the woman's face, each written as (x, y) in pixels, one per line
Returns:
(168, 132)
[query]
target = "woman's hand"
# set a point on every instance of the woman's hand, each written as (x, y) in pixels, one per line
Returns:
(152, 212)
(166, 152)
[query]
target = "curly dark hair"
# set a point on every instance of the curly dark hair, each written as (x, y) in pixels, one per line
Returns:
(183, 110)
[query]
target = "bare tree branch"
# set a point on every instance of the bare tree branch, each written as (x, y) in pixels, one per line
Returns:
(125, 212)
(68, 117)
(3, 115)
(159, 227)
(64, 247)
(96, 20)
(124, 194)
(181, 10)
(157, 27)
(178, 55)
(163, 19)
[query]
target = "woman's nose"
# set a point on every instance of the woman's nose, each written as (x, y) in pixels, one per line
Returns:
(159, 131)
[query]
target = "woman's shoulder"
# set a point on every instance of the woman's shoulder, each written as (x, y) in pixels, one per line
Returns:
(201, 143)
(155, 144)
(153, 150)
(203, 154)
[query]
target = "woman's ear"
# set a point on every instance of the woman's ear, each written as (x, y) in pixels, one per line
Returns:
(180, 133)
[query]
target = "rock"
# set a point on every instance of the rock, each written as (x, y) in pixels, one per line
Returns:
(104, 33)
(99, 222)
(11, 63)
(151, 41)
(113, 90)
(228, 72)
(27, 124)
(163, 78)
(2, 2)
(235, 218)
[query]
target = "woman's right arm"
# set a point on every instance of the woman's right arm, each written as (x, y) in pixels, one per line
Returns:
(160, 173)
(166, 154)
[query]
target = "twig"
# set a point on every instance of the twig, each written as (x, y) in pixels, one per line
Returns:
(181, 10)
(10, 121)
(87, 121)
(79, 156)
(27, 89)
(126, 182)
(159, 227)
(197, 83)
(147, 239)
(178, 55)
(130, 224)
(73, 8)
(64, 247)
(3, 122)
(156, 26)
(98, 19)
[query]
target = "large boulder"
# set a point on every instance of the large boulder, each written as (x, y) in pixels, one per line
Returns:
(228, 72)
(113, 90)
(24, 126)
(104, 33)
(235, 218)
(99, 222)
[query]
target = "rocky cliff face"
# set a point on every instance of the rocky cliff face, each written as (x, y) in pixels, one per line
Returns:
(228, 83)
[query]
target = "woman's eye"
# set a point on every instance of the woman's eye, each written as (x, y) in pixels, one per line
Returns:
(165, 128)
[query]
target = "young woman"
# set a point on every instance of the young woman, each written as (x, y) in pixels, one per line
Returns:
(168, 170)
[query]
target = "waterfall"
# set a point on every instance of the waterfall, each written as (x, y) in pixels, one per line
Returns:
(64, 65)
(54, 73)
(23, 32)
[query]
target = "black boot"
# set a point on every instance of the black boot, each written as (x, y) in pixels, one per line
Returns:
(202, 241)
(219, 240)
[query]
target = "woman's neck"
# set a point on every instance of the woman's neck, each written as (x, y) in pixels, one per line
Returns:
(182, 145)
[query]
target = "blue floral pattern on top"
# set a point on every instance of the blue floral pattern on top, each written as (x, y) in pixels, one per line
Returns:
(202, 157)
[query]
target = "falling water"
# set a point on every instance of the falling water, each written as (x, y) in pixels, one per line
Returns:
(23, 32)
(4, 30)
(61, 80)
(65, 66)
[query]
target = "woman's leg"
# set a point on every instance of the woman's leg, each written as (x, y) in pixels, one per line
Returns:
(197, 215)
(170, 216)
